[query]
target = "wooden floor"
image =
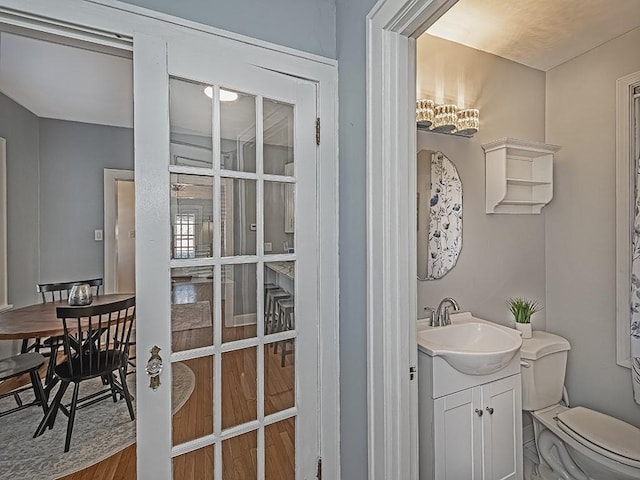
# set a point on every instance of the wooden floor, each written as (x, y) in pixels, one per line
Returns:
(195, 419)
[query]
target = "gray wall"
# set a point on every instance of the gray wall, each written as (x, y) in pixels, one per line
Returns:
(350, 26)
(502, 255)
(73, 157)
(308, 25)
(20, 128)
(580, 223)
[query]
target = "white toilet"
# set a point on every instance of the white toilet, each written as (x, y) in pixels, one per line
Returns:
(574, 443)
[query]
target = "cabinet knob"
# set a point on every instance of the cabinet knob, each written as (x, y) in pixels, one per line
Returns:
(479, 412)
(490, 410)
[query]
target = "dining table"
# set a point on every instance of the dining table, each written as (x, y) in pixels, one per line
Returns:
(41, 320)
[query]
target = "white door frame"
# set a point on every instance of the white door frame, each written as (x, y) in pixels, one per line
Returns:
(111, 23)
(392, 26)
(111, 177)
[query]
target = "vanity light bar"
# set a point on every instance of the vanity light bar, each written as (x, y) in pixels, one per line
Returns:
(447, 118)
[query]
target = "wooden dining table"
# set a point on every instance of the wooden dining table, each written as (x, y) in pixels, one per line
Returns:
(41, 320)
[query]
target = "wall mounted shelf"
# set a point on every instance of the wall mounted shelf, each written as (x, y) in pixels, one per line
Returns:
(519, 176)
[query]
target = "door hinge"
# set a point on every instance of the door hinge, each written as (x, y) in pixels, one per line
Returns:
(317, 130)
(319, 470)
(412, 373)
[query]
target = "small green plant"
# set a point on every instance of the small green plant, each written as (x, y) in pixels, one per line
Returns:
(522, 309)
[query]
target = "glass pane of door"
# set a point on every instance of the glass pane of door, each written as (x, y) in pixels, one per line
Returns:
(233, 313)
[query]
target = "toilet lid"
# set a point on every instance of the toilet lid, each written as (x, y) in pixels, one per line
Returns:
(610, 434)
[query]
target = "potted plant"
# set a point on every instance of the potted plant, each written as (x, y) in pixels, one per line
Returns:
(522, 309)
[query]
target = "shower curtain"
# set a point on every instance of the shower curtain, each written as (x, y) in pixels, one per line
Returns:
(635, 290)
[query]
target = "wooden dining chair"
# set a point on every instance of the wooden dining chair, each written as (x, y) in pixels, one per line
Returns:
(54, 292)
(12, 369)
(96, 342)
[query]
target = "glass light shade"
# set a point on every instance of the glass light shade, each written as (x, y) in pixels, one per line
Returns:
(445, 118)
(468, 121)
(424, 113)
(225, 95)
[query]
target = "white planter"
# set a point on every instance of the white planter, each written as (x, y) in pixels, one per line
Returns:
(525, 329)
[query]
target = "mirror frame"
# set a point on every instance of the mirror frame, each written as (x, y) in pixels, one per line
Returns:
(445, 207)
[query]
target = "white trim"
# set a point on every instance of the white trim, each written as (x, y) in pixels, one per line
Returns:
(4, 278)
(391, 245)
(624, 213)
(243, 320)
(107, 16)
(111, 177)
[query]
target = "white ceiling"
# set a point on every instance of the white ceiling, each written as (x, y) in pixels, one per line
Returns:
(67, 83)
(538, 33)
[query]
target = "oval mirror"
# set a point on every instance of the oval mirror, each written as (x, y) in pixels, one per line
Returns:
(439, 210)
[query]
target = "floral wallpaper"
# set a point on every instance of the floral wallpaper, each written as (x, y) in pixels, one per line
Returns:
(445, 217)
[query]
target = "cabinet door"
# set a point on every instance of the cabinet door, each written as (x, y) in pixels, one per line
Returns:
(502, 429)
(458, 436)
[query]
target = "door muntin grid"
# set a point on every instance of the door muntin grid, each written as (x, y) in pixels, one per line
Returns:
(238, 254)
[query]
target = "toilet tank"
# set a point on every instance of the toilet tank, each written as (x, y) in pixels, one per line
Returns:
(544, 360)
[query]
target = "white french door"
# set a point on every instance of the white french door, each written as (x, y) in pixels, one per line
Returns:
(226, 226)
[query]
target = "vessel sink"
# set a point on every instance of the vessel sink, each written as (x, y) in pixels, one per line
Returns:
(472, 347)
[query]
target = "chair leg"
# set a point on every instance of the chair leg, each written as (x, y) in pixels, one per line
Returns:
(72, 416)
(113, 388)
(38, 391)
(127, 395)
(50, 417)
(53, 359)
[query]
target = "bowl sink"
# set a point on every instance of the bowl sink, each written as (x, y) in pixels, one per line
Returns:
(473, 347)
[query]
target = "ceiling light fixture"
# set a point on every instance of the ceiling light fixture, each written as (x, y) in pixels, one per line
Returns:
(225, 95)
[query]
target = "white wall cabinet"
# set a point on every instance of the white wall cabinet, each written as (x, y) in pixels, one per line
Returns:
(519, 175)
(474, 433)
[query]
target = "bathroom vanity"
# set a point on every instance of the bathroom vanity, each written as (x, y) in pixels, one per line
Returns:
(470, 425)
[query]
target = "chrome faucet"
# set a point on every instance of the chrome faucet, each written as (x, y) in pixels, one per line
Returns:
(442, 313)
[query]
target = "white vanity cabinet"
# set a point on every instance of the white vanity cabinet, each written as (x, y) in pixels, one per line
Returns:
(473, 432)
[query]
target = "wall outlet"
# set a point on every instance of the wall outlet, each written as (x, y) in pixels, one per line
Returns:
(268, 247)
(97, 235)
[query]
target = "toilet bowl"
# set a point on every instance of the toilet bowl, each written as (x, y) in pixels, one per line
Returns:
(573, 443)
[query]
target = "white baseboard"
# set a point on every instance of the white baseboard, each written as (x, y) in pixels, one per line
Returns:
(244, 319)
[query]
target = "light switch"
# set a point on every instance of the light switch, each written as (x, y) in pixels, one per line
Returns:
(252, 227)
(97, 235)
(132, 234)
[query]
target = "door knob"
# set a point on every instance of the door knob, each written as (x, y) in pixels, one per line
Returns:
(490, 410)
(479, 412)
(154, 368)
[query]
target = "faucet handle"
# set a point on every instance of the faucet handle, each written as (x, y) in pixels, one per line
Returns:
(431, 315)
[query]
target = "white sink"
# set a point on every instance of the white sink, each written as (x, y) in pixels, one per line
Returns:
(470, 345)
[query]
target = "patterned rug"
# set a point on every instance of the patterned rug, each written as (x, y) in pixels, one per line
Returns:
(187, 316)
(99, 431)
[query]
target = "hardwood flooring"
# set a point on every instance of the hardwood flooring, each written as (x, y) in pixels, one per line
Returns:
(239, 404)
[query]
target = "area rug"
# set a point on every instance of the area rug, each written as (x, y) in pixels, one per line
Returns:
(188, 316)
(99, 431)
